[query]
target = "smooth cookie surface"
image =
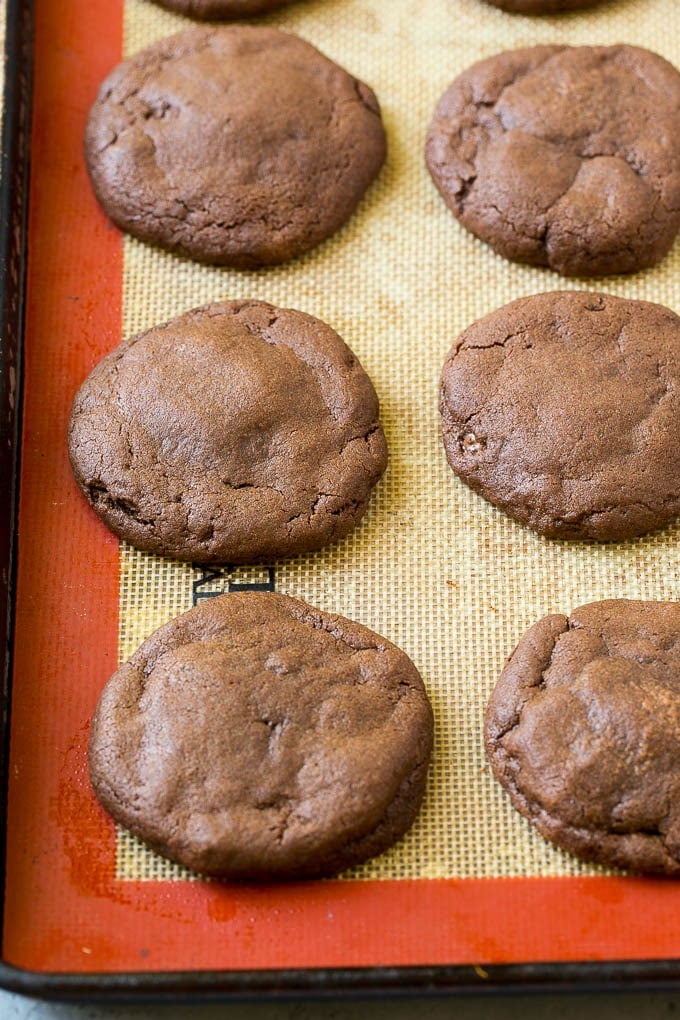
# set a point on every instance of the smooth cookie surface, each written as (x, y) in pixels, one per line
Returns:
(563, 409)
(567, 157)
(256, 737)
(583, 731)
(240, 145)
(236, 433)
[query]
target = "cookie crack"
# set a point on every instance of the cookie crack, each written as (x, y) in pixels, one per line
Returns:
(262, 486)
(623, 511)
(351, 505)
(530, 692)
(364, 99)
(537, 813)
(464, 189)
(331, 628)
(99, 495)
(525, 331)
(361, 437)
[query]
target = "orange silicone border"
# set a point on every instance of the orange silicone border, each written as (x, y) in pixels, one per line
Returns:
(64, 910)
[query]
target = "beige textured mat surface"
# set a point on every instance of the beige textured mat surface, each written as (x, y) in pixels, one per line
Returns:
(432, 567)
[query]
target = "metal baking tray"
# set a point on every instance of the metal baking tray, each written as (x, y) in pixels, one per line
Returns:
(71, 928)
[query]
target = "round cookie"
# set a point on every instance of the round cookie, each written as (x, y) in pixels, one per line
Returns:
(583, 731)
(255, 737)
(541, 6)
(235, 433)
(562, 409)
(564, 157)
(237, 146)
(216, 10)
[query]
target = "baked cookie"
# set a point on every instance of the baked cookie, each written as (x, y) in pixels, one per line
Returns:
(235, 433)
(539, 6)
(564, 157)
(217, 10)
(255, 737)
(563, 409)
(236, 146)
(583, 731)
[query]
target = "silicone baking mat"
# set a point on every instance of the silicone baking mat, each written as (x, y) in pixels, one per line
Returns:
(432, 567)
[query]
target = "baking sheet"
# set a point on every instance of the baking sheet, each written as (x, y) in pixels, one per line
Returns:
(432, 567)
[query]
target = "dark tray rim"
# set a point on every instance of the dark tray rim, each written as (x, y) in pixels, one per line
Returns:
(349, 983)
(308, 983)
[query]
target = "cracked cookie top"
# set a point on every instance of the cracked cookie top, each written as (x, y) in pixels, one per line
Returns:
(564, 157)
(583, 730)
(562, 409)
(235, 433)
(216, 10)
(237, 146)
(256, 737)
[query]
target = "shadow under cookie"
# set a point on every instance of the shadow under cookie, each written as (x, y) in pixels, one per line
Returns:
(541, 6)
(218, 10)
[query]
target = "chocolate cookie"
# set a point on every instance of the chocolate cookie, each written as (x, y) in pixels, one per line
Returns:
(235, 433)
(539, 6)
(236, 146)
(583, 731)
(563, 409)
(256, 737)
(564, 157)
(217, 10)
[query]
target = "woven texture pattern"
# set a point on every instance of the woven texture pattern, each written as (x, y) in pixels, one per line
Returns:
(432, 567)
